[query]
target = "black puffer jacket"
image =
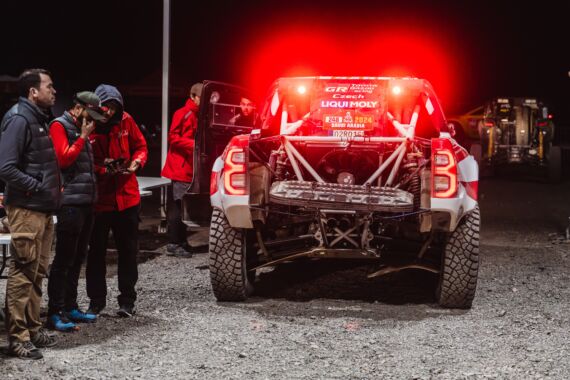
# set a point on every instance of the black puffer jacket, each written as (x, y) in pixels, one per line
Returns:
(28, 164)
(79, 187)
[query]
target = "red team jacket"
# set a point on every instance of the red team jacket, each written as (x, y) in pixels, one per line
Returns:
(179, 160)
(120, 191)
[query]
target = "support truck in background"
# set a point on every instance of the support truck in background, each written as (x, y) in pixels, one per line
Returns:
(518, 131)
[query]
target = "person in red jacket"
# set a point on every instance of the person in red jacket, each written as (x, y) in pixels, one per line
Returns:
(179, 168)
(119, 150)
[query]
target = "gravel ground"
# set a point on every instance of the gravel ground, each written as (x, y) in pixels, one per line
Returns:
(324, 321)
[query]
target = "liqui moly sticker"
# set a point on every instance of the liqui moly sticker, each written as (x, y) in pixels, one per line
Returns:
(349, 104)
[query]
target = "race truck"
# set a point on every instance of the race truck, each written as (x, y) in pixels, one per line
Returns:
(518, 131)
(343, 168)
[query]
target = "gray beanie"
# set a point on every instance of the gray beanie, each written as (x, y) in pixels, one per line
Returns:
(196, 89)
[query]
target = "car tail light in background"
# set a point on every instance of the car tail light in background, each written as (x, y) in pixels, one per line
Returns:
(443, 168)
(489, 123)
(235, 176)
(542, 123)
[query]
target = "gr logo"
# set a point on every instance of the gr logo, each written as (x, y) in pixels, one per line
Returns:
(336, 89)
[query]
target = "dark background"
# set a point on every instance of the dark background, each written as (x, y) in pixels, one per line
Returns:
(469, 50)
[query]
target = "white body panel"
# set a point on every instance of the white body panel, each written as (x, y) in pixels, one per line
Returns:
(467, 174)
(235, 207)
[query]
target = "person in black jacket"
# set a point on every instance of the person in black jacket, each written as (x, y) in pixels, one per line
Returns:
(29, 168)
(69, 134)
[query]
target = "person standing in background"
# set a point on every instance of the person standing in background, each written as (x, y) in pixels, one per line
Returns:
(179, 168)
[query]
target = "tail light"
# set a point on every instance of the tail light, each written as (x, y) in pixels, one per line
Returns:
(443, 168)
(542, 123)
(489, 123)
(235, 175)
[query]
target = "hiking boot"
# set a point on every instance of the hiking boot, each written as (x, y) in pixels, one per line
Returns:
(94, 309)
(78, 316)
(43, 339)
(126, 311)
(61, 323)
(24, 350)
(177, 250)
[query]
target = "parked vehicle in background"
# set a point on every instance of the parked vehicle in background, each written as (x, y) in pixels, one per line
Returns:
(466, 126)
(346, 168)
(518, 131)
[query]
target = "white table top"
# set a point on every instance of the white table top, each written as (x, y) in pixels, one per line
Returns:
(148, 183)
(5, 238)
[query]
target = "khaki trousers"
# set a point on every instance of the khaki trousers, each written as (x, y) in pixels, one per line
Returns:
(32, 237)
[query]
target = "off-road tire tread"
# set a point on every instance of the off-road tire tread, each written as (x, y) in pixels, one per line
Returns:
(460, 264)
(226, 249)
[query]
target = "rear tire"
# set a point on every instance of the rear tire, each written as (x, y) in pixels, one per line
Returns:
(460, 264)
(228, 269)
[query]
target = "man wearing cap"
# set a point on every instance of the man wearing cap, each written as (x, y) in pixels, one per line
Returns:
(69, 134)
(29, 168)
(179, 168)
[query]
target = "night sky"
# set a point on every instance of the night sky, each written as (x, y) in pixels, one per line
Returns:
(469, 50)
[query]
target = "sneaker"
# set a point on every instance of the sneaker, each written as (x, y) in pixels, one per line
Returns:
(43, 339)
(171, 249)
(179, 250)
(24, 350)
(77, 315)
(94, 309)
(126, 311)
(61, 323)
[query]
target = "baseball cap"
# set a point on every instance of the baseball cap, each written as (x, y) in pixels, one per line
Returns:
(92, 104)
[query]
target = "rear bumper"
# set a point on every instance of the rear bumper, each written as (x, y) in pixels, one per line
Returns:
(337, 196)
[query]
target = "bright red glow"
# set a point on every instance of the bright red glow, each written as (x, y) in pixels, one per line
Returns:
(489, 124)
(550, 116)
(444, 169)
(386, 50)
(301, 89)
(396, 90)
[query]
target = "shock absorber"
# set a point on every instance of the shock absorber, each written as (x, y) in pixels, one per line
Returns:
(414, 185)
(540, 144)
(491, 138)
